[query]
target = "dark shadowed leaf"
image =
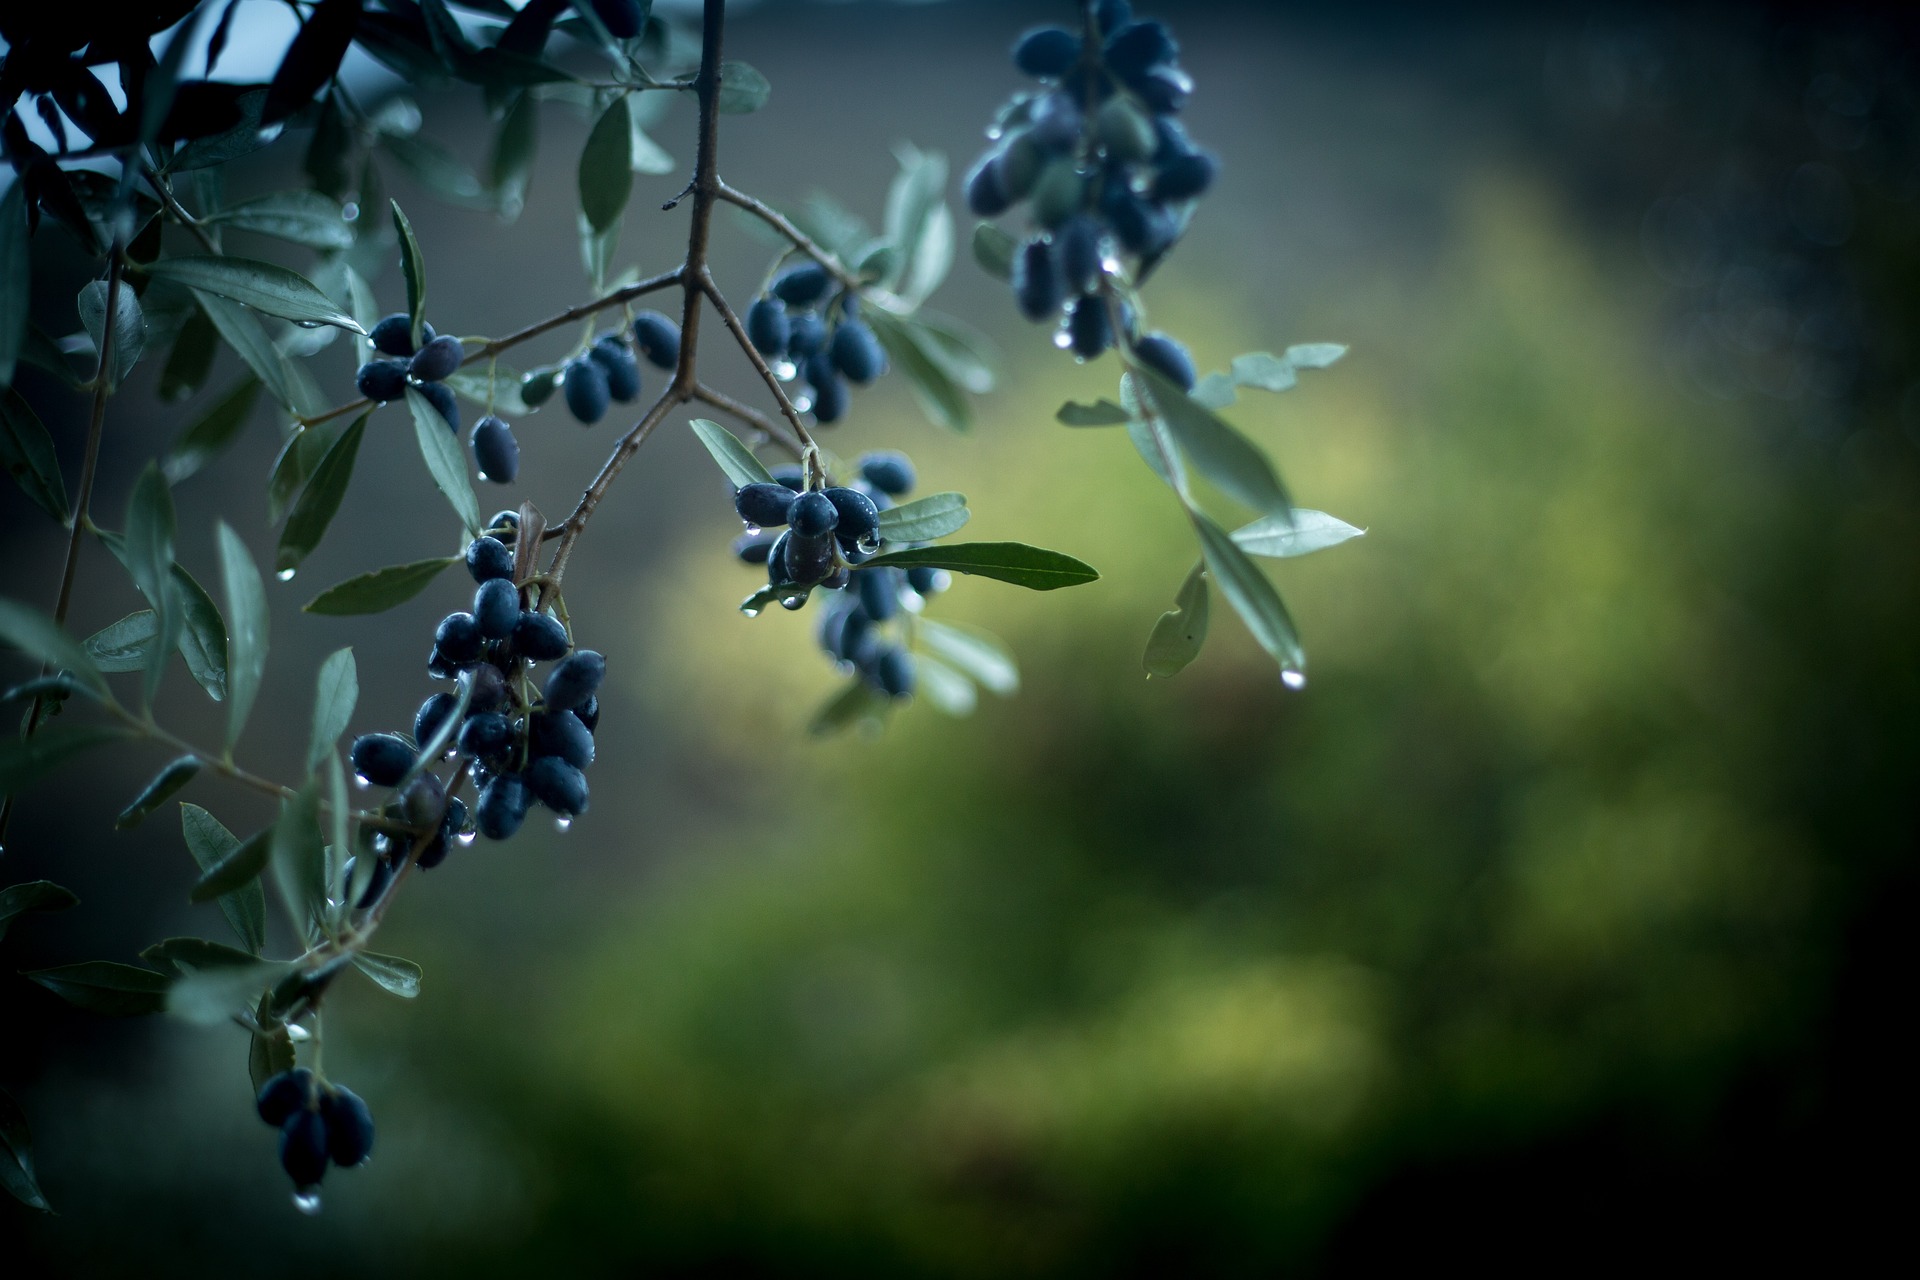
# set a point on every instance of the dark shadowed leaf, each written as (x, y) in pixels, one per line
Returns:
(149, 559)
(437, 168)
(735, 458)
(27, 452)
(129, 326)
(176, 957)
(103, 987)
(1280, 536)
(446, 459)
(514, 147)
(203, 633)
(297, 854)
(401, 977)
(379, 590)
(321, 498)
(742, 89)
(264, 286)
(16, 277)
(229, 871)
(34, 895)
(413, 267)
(16, 1156)
(38, 636)
(606, 166)
(1253, 598)
(287, 381)
(208, 437)
(269, 1052)
(23, 763)
(169, 780)
(924, 519)
(246, 628)
(993, 249)
(1182, 630)
(1033, 567)
(299, 457)
(337, 690)
(312, 59)
(189, 360)
(303, 217)
(244, 137)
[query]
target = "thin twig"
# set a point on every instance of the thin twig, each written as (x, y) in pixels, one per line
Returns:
(801, 240)
(164, 189)
(752, 417)
(758, 361)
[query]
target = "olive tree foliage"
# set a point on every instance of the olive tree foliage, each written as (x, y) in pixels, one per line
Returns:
(1092, 156)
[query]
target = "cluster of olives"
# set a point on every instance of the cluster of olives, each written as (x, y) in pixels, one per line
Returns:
(608, 372)
(817, 551)
(524, 747)
(426, 369)
(802, 332)
(1104, 166)
(320, 1123)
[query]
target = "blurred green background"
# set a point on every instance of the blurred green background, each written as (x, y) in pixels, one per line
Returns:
(1560, 922)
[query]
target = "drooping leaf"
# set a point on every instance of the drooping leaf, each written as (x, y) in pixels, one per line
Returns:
(1035, 568)
(202, 636)
(446, 459)
(401, 977)
(854, 704)
(935, 388)
(286, 381)
(1101, 413)
(438, 169)
(493, 385)
(514, 147)
(924, 519)
(606, 167)
(34, 895)
(950, 692)
(27, 452)
(269, 1051)
(229, 871)
(211, 996)
(978, 654)
(16, 1156)
(1253, 598)
(246, 628)
(298, 856)
(338, 689)
(413, 266)
(1154, 443)
(125, 645)
(1264, 371)
(208, 437)
(38, 636)
(16, 277)
(1216, 450)
(170, 779)
(312, 59)
(106, 988)
(1279, 536)
(129, 326)
(993, 249)
(320, 500)
(189, 360)
(1181, 631)
(299, 458)
(379, 590)
(966, 354)
(1314, 355)
(264, 286)
(735, 458)
(246, 136)
(178, 956)
(918, 223)
(149, 559)
(25, 761)
(742, 89)
(302, 217)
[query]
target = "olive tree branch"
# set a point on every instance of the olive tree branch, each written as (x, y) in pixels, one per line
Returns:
(801, 240)
(752, 417)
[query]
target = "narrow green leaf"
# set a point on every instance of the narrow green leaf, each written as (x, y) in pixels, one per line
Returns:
(284, 380)
(230, 871)
(302, 217)
(16, 277)
(1101, 413)
(975, 652)
(379, 590)
(1264, 371)
(156, 793)
(264, 286)
(103, 987)
(924, 519)
(446, 459)
(513, 153)
(494, 385)
(993, 249)
(742, 89)
(938, 392)
(210, 435)
(1033, 567)
(246, 628)
(1254, 599)
(963, 352)
(298, 856)
(210, 997)
(918, 223)
(1216, 449)
(129, 326)
(25, 761)
(125, 645)
(38, 636)
(177, 957)
(950, 692)
(735, 458)
(337, 692)
(16, 1147)
(1305, 531)
(33, 895)
(299, 458)
(27, 452)
(414, 267)
(856, 703)
(189, 360)
(320, 500)
(149, 559)
(313, 57)
(268, 1052)
(401, 977)
(1314, 355)
(203, 633)
(438, 169)
(1182, 630)
(606, 166)
(243, 138)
